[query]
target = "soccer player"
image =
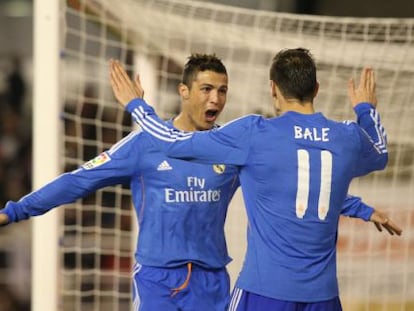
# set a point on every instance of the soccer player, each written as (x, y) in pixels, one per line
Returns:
(181, 207)
(295, 172)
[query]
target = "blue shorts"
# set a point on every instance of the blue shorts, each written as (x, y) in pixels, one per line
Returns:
(246, 301)
(185, 288)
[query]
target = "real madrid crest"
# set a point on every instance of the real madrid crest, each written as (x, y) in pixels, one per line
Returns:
(219, 168)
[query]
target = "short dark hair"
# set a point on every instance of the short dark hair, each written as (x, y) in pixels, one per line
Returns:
(201, 62)
(294, 72)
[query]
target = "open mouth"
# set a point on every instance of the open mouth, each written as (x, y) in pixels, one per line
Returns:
(211, 115)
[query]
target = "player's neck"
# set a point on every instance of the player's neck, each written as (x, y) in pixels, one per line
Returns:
(300, 107)
(182, 123)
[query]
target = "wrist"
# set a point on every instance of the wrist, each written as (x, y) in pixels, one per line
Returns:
(363, 108)
(133, 104)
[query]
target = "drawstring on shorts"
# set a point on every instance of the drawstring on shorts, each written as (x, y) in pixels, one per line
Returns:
(185, 284)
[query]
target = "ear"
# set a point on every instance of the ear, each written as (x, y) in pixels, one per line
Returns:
(184, 91)
(316, 89)
(273, 92)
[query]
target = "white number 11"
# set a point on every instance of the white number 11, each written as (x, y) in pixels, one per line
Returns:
(302, 194)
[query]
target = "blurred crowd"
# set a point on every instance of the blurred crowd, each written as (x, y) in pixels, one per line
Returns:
(15, 181)
(15, 137)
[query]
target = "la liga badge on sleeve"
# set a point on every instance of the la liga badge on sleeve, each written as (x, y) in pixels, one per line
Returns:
(97, 161)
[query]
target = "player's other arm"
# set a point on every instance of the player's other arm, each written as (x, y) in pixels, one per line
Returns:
(364, 102)
(354, 207)
(111, 167)
(64, 189)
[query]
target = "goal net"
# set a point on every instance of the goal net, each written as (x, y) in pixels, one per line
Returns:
(154, 38)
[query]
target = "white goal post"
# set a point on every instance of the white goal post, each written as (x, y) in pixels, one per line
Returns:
(97, 236)
(46, 149)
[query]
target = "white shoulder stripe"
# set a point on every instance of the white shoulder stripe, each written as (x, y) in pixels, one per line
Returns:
(161, 125)
(153, 130)
(123, 141)
(156, 128)
(147, 125)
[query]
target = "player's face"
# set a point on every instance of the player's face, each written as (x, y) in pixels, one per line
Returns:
(206, 99)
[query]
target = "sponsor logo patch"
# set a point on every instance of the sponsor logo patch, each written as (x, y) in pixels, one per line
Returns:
(97, 161)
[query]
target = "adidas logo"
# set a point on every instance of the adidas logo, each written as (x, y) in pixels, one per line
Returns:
(164, 166)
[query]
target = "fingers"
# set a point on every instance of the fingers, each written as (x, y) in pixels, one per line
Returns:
(370, 85)
(382, 221)
(113, 77)
(385, 224)
(123, 75)
(118, 73)
(365, 90)
(351, 89)
(137, 81)
(123, 87)
(363, 77)
(367, 78)
(371, 80)
(120, 83)
(389, 229)
(391, 226)
(138, 84)
(378, 225)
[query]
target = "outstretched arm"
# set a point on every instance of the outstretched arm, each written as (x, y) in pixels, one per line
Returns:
(354, 207)
(111, 167)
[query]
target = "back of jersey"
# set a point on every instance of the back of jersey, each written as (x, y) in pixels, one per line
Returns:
(295, 181)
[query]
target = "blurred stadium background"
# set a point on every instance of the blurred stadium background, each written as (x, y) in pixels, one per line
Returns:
(95, 282)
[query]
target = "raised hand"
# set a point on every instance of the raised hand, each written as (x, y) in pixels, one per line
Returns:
(365, 92)
(123, 87)
(381, 221)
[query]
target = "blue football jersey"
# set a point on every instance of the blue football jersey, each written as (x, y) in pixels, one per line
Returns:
(295, 172)
(181, 206)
